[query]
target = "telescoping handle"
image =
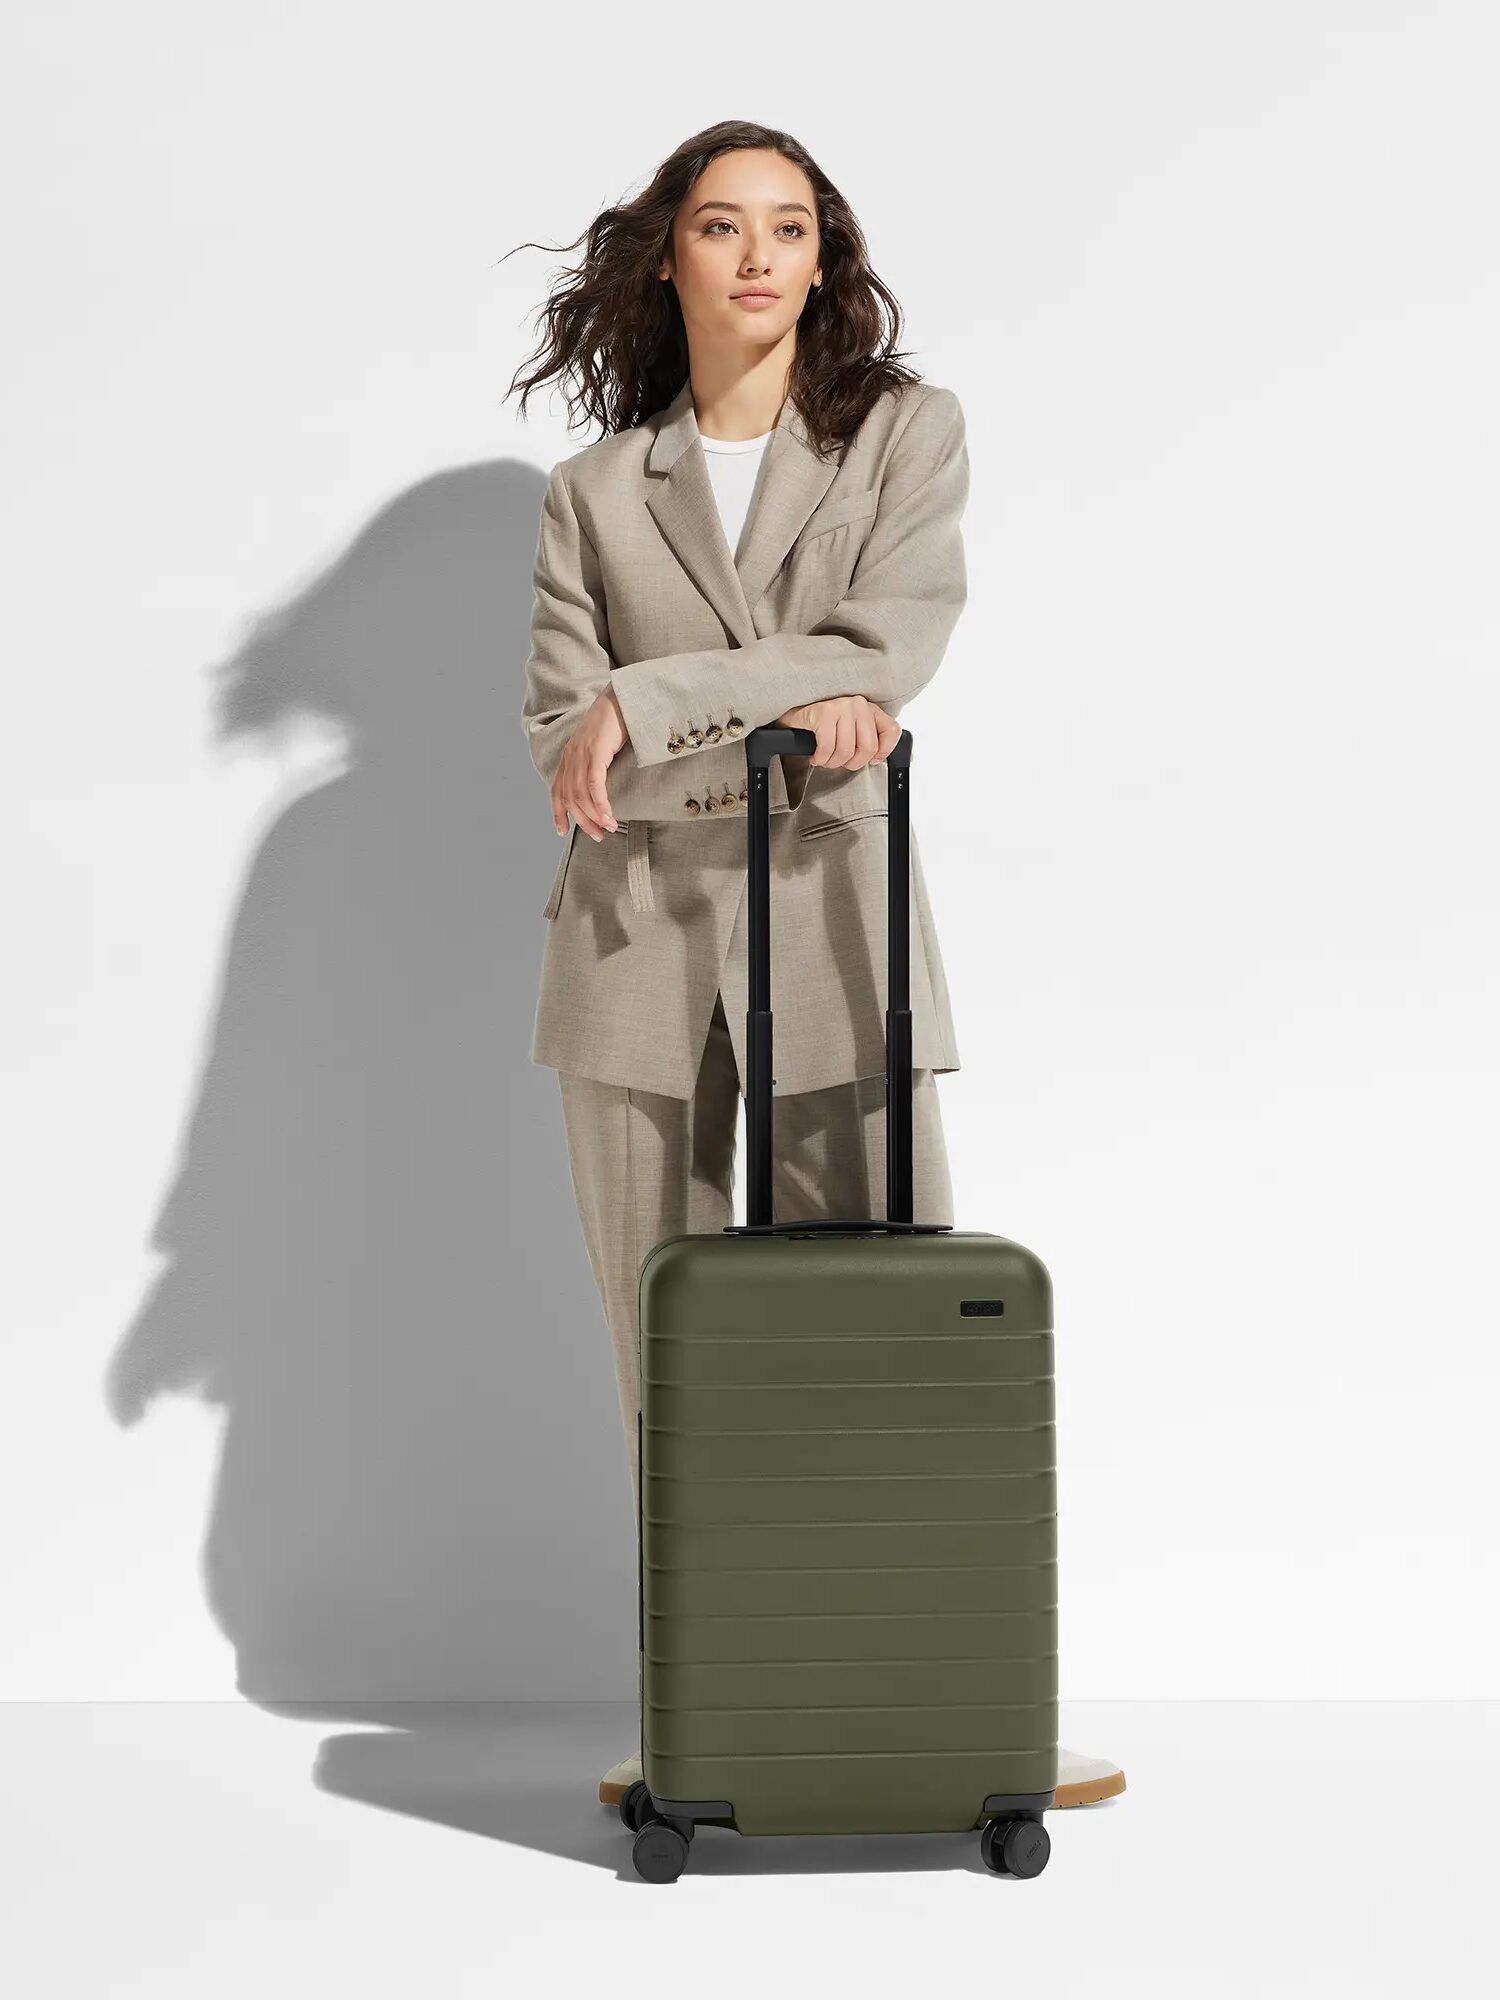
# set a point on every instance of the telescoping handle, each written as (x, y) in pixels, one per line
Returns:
(761, 745)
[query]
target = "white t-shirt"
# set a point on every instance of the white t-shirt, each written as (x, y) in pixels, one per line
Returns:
(734, 468)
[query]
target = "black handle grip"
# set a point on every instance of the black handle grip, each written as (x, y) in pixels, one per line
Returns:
(761, 745)
(770, 740)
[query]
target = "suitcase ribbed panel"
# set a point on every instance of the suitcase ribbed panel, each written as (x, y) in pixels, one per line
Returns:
(848, 1529)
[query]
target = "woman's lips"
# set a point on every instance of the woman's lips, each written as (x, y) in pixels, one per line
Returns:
(753, 301)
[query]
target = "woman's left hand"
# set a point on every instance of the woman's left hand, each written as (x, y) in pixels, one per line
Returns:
(852, 730)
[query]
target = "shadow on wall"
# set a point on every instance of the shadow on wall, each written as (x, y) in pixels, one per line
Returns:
(373, 1258)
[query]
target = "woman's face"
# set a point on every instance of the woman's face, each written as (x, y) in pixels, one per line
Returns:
(749, 222)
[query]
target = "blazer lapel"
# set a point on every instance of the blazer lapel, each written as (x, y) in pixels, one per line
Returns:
(681, 498)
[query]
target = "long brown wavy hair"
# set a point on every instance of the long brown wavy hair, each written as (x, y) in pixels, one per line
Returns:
(615, 338)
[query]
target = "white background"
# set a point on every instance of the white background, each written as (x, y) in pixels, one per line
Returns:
(309, 1391)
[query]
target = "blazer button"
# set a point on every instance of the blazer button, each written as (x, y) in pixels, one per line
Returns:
(710, 803)
(695, 738)
(675, 743)
(713, 733)
(693, 807)
(734, 726)
(729, 802)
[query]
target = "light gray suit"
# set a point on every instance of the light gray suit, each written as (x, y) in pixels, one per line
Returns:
(849, 580)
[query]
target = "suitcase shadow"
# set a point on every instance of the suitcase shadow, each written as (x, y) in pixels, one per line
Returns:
(526, 1775)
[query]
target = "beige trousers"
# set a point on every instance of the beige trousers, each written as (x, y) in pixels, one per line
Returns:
(645, 1166)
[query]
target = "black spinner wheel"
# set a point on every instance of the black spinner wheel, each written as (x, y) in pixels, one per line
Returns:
(1015, 1846)
(660, 1851)
(635, 1804)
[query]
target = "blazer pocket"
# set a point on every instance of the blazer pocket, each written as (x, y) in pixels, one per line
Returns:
(860, 507)
(822, 561)
(554, 894)
(822, 826)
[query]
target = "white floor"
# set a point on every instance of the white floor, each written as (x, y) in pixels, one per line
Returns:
(219, 1850)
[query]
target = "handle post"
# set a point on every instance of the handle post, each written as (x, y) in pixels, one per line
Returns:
(761, 745)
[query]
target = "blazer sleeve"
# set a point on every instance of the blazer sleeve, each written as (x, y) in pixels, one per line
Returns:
(569, 661)
(884, 639)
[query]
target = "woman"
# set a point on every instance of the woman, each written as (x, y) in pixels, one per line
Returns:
(726, 331)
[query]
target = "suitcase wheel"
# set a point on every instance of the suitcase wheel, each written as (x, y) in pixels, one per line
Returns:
(1015, 1846)
(660, 1851)
(632, 1800)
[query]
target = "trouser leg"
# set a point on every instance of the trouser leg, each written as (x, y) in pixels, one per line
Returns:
(645, 1166)
(828, 1152)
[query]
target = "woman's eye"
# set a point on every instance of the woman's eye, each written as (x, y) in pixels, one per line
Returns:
(712, 226)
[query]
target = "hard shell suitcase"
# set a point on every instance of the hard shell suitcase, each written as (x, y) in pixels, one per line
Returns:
(847, 1531)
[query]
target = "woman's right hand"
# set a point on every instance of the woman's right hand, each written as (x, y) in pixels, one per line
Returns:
(583, 770)
(852, 731)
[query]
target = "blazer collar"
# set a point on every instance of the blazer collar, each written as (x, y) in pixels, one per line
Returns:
(681, 498)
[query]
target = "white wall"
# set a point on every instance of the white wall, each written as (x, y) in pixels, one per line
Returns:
(309, 1393)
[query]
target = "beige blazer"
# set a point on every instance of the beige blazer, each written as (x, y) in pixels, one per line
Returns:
(849, 580)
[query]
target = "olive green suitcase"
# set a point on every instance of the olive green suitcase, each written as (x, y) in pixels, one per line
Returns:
(848, 1518)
